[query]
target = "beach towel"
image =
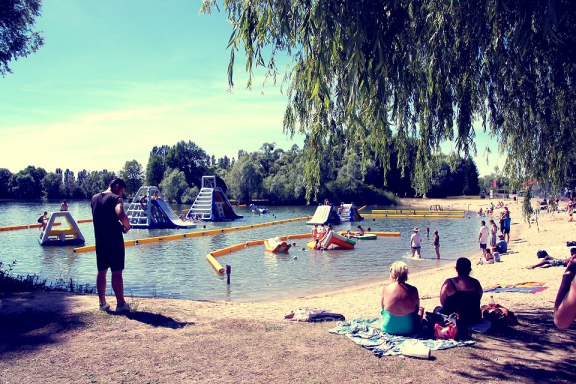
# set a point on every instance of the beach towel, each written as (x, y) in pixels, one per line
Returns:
(367, 333)
(527, 287)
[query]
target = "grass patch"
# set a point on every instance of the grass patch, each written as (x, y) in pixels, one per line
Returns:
(34, 283)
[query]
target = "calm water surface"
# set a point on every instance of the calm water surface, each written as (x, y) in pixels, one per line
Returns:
(178, 268)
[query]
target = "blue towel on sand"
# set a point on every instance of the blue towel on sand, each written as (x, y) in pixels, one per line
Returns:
(516, 289)
(367, 333)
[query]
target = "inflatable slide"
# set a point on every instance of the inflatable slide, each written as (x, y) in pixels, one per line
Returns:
(325, 214)
(211, 204)
(332, 240)
(350, 213)
(149, 210)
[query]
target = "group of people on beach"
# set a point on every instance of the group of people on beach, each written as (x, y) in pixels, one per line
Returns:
(493, 245)
(400, 301)
(402, 314)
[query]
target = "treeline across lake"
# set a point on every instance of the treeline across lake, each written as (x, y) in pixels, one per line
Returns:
(271, 174)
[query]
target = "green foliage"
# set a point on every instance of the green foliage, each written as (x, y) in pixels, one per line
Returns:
(51, 185)
(33, 283)
(384, 72)
(27, 184)
(454, 177)
(189, 196)
(5, 176)
(156, 165)
(527, 210)
(190, 159)
(17, 37)
(133, 175)
(173, 185)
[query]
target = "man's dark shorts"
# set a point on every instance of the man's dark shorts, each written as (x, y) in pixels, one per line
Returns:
(110, 256)
(482, 246)
(506, 230)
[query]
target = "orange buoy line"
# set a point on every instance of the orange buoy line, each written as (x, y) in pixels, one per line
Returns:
(35, 225)
(178, 236)
(211, 257)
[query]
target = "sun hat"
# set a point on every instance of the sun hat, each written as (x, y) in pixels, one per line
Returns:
(416, 229)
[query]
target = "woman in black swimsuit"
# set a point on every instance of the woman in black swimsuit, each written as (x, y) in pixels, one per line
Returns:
(462, 294)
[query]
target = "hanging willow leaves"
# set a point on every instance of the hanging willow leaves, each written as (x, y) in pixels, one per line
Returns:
(371, 70)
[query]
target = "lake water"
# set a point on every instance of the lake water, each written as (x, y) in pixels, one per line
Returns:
(178, 268)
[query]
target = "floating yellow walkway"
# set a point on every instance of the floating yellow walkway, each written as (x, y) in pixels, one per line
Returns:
(36, 225)
(211, 257)
(419, 211)
(178, 236)
(413, 216)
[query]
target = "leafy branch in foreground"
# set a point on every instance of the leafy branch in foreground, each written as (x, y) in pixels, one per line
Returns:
(376, 70)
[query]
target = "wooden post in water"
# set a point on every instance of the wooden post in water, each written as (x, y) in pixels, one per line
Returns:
(228, 272)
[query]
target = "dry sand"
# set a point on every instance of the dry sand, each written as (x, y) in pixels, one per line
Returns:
(51, 337)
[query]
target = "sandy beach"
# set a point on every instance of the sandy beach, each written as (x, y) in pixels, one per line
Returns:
(49, 337)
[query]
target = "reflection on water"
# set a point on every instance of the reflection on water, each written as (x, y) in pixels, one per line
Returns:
(179, 269)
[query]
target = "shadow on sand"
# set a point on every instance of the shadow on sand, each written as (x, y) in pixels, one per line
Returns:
(534, 351)
(154, 319)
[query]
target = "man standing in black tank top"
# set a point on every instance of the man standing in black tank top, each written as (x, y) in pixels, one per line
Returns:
(110, 222)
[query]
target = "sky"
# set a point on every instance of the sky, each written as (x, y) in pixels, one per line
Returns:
(116, 78)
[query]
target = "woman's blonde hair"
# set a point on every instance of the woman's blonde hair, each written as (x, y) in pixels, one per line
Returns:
(399, 271)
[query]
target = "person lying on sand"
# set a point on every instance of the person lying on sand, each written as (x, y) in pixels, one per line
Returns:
(549, 261)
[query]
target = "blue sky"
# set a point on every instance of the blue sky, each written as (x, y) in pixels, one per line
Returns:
(116, 78)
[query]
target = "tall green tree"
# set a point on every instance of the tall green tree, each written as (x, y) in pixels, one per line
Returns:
(51, 184)
(17, 36)
(190, 159)
(174, 185)
(156, 165)
(5, 175)
(422, 69)
(27, 184)
(133, 175)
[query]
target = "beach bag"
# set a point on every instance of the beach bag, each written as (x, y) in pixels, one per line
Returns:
(498, 315)
(445, 326)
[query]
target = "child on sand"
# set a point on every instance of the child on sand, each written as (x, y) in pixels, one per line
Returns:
(487, 258)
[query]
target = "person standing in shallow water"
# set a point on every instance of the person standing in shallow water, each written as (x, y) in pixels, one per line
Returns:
(110, 222)
(483, 235)
(415, 241)
(436, 244)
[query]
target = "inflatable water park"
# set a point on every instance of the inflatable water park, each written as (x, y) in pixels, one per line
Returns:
(349, 212)
(325, 214)
(275, 244)
(332, 240)
(149, 210)
(67, 232)
(211, 204)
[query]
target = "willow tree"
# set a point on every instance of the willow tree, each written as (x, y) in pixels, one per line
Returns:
(17, 35)
(428, 69)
